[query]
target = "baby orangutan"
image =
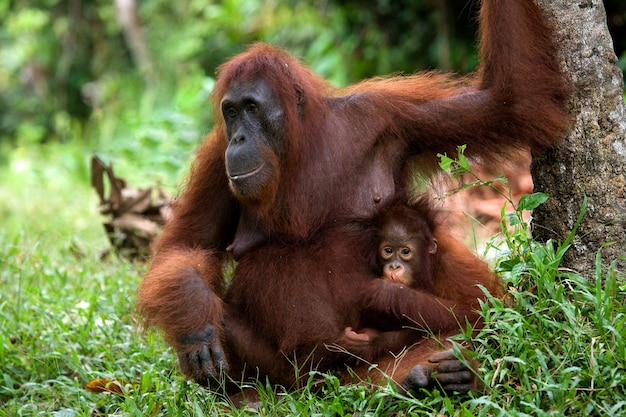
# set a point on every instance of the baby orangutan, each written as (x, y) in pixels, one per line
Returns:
(414, 254)
(405, 250)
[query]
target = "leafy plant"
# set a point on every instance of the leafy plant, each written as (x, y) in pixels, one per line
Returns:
(556, 335)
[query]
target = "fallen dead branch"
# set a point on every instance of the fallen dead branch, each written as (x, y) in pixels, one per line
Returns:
(135, 216)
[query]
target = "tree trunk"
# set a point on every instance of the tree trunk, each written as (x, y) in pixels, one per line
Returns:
(591, 160)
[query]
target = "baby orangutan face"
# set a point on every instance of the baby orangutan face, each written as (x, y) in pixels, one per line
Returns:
(403, 252)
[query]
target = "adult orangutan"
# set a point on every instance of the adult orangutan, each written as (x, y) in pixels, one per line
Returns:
(414, 252)
(287, 182)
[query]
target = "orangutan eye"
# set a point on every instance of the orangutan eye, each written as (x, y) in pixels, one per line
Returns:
(229, 112)
(252, 108)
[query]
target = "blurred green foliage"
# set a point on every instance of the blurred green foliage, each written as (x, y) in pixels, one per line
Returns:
(402, 36)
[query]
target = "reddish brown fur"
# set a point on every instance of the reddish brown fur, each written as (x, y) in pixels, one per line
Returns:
(453, 273)
(416, 221)
(295, 286)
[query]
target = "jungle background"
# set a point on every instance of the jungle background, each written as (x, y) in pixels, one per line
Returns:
(130, 81)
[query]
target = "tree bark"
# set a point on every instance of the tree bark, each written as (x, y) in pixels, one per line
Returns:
(591, 160)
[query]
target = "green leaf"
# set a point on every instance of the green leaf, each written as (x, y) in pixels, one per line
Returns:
(445, 162)
(463, 162)
(532, 201)
(513, 219)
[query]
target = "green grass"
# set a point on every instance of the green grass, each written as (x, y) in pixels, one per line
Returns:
(554, 346)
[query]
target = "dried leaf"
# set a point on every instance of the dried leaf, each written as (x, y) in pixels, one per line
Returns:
(105, 386)
(97, 169)
(130, 222)
(137, 203)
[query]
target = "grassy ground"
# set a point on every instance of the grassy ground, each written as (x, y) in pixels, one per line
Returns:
(554, 346)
